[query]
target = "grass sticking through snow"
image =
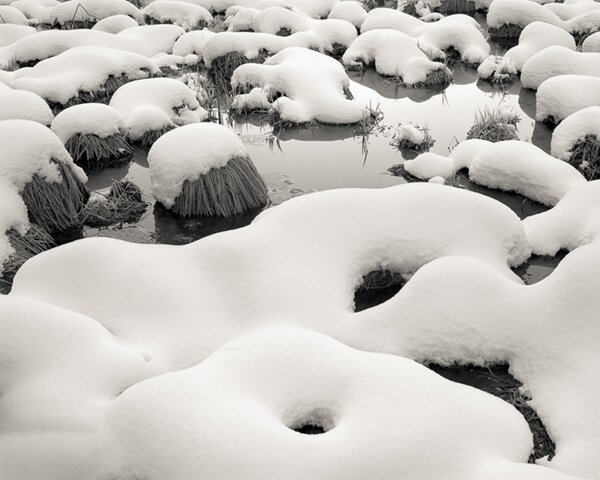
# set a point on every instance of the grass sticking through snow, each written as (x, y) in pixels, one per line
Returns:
(223, 67)
(151, 136)
(494, 125)
(94, 154)
(407, 145)
(585, 155)
(451, 7)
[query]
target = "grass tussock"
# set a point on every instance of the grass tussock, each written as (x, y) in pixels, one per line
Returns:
(585, 155)
(151, 136)
(371, 4)
(223, 67)
(437, 79)
(494, 125)
(405, 144)
(56, 206)
(36, 240)
(451, 7)
(224, 192)
(94, 154)
(123, 204)
(506, 35)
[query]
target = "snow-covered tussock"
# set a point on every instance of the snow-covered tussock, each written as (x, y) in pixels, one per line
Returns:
(591, 43)
(115, 24)
(252, 44)
(10, 33)
(186, 15)
(10, 15)
(37, 11)
(511, 165)
(459, 32)
(573, 129)
(82, 69)
(393, 53)
(558, 97)
(350, 10)
(558, 60)
(330, 32)
(20, 104)
(87, 119)
(572, 8)
(293, 73)
(156, 103)
(84, 11)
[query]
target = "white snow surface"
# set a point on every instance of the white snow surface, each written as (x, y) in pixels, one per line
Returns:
(24, 105)
(155, 103)
(10, 33)
(510, 165)
(91, 10)
(81, 69)
(12, 16)
(115, 24)
(13, 215)
(192, 42)
(350, 10)
(293, 72)
(574, 128)
(560, 96)
(519, 12)
(591, 43)
(185, 14)
(187, 153)
(392, 53)
(558, 60)
(37, 11)
(87, 119)
(572, 8)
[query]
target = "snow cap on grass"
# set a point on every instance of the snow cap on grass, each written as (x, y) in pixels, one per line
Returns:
(350, 10)
(115, 24)
(91, 10)
(591, 43)
(12, 16)
(192, 43)
(293, 72)
(251, 44)
(20, 104)
(82, 69)
(558, 60)
(156, 103)
(37, 11)
(10, 33)
(519, 12)
(393, 53)
(188, 152)
(186, 15)
(510, 165)
(561, 96)
(88, 119)
(573, 129)
(13, 215)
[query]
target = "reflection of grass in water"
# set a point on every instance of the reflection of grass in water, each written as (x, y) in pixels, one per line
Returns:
(585, 155)
(34, 241)
(497, 380)
(493, 125)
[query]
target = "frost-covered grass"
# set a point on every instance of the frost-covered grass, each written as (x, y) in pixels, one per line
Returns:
(34, 241)
(95, 154)
(494, 125)
(123, 204)
(227, 191)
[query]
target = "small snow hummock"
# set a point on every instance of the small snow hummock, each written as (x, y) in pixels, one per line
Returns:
(21, 104)
(88, 119)
(83, 11)
(293, 73)
(115, 24)
(558, 60)
(350, 10)
(187, 15)
(156, 104)
(510, 165)
(10, 33)
(192, 43)
(10, 15)
(396, 54)
(561, 96)
(591, 43)
(81, 69)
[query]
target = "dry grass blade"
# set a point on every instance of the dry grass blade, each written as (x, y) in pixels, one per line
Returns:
(224, 192)
(55, 206)
(94, 154)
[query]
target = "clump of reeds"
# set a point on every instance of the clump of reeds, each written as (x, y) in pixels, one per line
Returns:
(151, 136)
(223, 67)
(94, 154)
(437, 79)
(55, 206)
(451, 7)
(494, 125)
(585, 155)
(376, 287)
(505, 73)
(230, 190)
(34, 241)
(401, 142)
(148, 20)
(123, 204)
(506, 35)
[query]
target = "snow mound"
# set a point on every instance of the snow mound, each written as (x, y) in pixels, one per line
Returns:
(187, 153)
(20, 104)
(393, 53)
(82, 69)
(454, 31)
(572, 8)
(293, 73)
(252, 44)
(330, 32)
(511, 166)
(561, 96)
(13, 215)
(519, 12)
(573, 129)
(558, 60)
(87, 119)
(91, 11)
(573, 222)
(10, 15)
(186, 15)
(591, 43)
(192, 43)
(156, 103)
(115, 24)
(10, 33)
(37, 11)
(350, 10)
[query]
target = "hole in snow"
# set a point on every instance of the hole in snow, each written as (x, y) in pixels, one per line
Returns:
(377, 287)
(313, 422)
(496, 380)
